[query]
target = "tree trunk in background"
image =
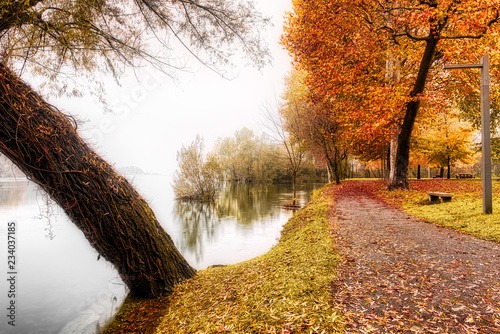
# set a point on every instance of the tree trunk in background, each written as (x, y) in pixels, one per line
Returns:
(382, 162)
(346, 173)
(448, 176)
(116, 221)
(418, 172)
(388, 162)
(337, 174)
(334, 164)
(393, 150)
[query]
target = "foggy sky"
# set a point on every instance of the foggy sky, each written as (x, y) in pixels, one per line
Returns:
(154, 117)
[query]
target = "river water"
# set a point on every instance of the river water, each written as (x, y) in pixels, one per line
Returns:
(60, 285)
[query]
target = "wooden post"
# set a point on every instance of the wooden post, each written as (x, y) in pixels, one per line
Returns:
(485, 135)
(485, 128)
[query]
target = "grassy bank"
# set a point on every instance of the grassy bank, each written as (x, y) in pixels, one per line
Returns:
(283, 291)
(464, 213)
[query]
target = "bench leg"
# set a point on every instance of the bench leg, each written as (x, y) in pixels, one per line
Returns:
(434, 198)
(446, 199)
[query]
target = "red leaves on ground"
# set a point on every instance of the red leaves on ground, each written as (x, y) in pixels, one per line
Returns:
(402, 275)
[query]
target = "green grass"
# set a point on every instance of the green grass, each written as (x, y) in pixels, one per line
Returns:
(286, 290)
(464, 213)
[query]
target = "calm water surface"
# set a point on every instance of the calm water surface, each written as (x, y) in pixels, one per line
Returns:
(62, 288)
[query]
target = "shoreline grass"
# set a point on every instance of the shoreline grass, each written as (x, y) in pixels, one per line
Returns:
(287, 290)
(464, 213)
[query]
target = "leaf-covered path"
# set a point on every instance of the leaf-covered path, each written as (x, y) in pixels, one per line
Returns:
(402, 275)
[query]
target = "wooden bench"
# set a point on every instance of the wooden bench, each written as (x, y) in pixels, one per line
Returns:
(464, 176)
(434, 196)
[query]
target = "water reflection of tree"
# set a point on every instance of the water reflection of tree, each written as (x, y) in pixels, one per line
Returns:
(198, 220)
(250, 203)
(244, 204)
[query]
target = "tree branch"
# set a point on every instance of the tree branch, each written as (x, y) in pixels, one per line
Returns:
(15, 13)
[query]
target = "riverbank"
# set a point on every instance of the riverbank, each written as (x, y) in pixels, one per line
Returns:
(285, 290)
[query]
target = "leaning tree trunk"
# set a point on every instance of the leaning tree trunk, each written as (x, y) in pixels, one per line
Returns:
(116, 221)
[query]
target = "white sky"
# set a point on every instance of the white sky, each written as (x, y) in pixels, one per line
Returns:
(157, 116)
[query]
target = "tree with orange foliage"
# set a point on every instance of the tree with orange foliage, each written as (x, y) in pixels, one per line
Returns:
(382, 59)
(445, 142)
(315, 123)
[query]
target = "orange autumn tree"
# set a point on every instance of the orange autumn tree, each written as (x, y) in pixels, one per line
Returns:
(381, 58)
(444, 142)
(335, 57)
(315, 123)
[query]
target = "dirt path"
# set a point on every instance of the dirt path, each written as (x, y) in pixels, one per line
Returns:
(402, 275)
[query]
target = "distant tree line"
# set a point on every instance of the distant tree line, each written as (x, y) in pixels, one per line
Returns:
(243, 158)
(246, 157)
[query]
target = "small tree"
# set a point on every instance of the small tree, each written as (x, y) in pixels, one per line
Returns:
(445, 142)
(284, 126)
(249, 158)
(198, 178)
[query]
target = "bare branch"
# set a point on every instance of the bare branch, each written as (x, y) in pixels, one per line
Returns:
(86, 34)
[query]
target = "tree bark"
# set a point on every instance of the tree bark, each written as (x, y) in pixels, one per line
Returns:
(393, 151)
(335, 163)
(114, 218)
(336, 173)
(400, 180)
(448, 176)
(382, 162)
(333, 167)
(337, 166)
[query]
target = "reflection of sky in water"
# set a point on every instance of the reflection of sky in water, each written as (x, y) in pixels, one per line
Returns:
(62, 288)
